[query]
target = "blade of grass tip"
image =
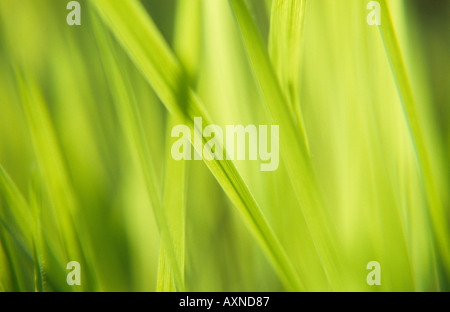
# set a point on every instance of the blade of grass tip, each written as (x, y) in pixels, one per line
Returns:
(142, 41)
(175, 206)
(286, 42)
(399, 71)
(132, 125)
(293, 148)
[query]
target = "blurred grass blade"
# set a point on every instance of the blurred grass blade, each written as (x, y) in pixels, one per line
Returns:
(286, 40)
(175, 207)
(63, 200)
(15, 233)
(187, 40)
(146, 47)
(35, 207)
(132, 125)
(188, 36)
(397, 62)
(18, 218)
(293, 147)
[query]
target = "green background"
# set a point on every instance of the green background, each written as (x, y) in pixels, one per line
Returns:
(87, 175)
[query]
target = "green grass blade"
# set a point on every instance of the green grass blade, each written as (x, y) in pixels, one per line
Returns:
(15, 233)
(293, 145)
(286, 39)
(35, 206)
(131, 123)
(174, 206)
(397, 62)
(62, 198)
(141, 39)
(18, 219)
(186, 45)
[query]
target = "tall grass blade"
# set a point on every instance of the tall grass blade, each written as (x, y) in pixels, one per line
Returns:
(174, 206)
(286, 43)
(62, 197)
(187, 40)
(140, 38)
(293, 145)
(38, 247)
(131, 123)
(15, 233)
(397, 62)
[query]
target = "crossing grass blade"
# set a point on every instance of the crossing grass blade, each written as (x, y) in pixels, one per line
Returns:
(140, 38)
(87, 175)
(131, 123)
(187, 30)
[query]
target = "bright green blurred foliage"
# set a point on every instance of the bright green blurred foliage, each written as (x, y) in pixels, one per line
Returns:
(86, 172)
